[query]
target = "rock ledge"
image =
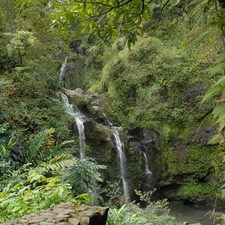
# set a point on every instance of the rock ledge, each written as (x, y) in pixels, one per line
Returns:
(65, 214)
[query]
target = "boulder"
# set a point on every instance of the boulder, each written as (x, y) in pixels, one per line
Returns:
(65, 214)
(77, 92)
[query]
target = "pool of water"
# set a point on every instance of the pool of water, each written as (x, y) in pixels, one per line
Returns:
(186, 213)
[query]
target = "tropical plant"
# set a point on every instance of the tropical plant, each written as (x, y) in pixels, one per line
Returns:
(115, 197)
(35, 192)
(216, 92)
(123, 216)
(84, 177)
(39, 184)
(6, 161)
(155, 213)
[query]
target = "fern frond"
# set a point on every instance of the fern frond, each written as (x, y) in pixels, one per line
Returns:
(215, 139)
(66, 142)
(83, 175)
(61, 161)
(218, 69)
(215, 166)
(33, 150)
(220, 120)
(81, 199)
(3, 128)
(218, 110)
(58, 162)
(40, 139)
(220, 58)
(216, 89)
(2, 149)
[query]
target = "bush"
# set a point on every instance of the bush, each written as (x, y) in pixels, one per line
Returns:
(156, 213)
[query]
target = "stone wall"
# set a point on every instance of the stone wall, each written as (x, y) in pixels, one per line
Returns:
(65, 214)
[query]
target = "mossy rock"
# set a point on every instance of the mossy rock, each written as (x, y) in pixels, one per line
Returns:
(83, 104)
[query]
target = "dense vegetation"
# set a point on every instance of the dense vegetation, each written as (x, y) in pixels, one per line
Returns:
(150, 85)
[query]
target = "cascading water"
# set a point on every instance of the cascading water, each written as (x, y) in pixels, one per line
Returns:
(122, 161)
(73, 111)
(121, 156)
(79, 120)
(62, 73)
(148, 173)
(147, 170)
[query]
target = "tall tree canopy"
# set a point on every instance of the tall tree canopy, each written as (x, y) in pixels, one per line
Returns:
(108, 19)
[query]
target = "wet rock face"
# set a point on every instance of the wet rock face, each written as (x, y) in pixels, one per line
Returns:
(65, 214)
(143, 139)
(143, 143)
(203, 134)
(100, 140)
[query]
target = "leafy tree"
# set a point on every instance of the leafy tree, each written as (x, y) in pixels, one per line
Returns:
(20, 43)
(110, 19)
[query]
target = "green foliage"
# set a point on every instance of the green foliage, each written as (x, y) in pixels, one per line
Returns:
(27, 109)
(36, 192)
(143, 88)
(198, 189)
(84, 176)
(195, 161)
(20, 43)
(29, 190)
(122, 216)
(216, 93)
(19, 200)
(33, 153)
(155, 213)
(114, 194)
(105, 19)
(39, 183)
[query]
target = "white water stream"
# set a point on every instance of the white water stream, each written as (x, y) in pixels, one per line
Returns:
(63, 70)
(148, 173)
(122, 161)
(73, 111)
(79, 120)
(147, 170)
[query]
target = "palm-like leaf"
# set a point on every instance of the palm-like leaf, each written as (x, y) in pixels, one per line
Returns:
(84, 175)
(60, 161)
(216, 89)
(55, 164)
(34, 151)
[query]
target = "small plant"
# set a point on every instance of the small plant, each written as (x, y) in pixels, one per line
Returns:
(122, 216)
(113, 192)
(83, 175)
(156, 213)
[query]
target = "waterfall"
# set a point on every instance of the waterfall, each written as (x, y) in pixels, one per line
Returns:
(122, 161)
(62, 73)
(147, 170)
(148, 173)
(79, 120)
(73, 111)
